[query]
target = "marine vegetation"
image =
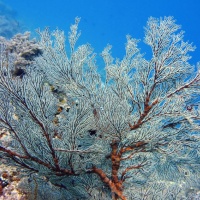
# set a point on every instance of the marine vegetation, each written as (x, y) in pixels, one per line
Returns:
(133, 136)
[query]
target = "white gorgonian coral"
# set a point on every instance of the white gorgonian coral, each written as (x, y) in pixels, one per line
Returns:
(134, 136)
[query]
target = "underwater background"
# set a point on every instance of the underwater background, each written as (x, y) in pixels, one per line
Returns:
(104, 21)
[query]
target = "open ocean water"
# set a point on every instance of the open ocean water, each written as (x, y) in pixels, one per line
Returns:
(106, 21)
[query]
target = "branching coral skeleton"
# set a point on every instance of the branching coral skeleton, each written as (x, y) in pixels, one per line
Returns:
(138, 127)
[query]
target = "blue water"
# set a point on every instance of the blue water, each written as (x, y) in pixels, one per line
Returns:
(109, 21)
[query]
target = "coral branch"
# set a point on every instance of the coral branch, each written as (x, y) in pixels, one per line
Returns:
(12, 153)
(147, 108)
(108, 182)
(130, 168)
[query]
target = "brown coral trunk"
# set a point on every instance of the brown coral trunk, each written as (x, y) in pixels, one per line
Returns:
(116, 159)
(117, 194)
